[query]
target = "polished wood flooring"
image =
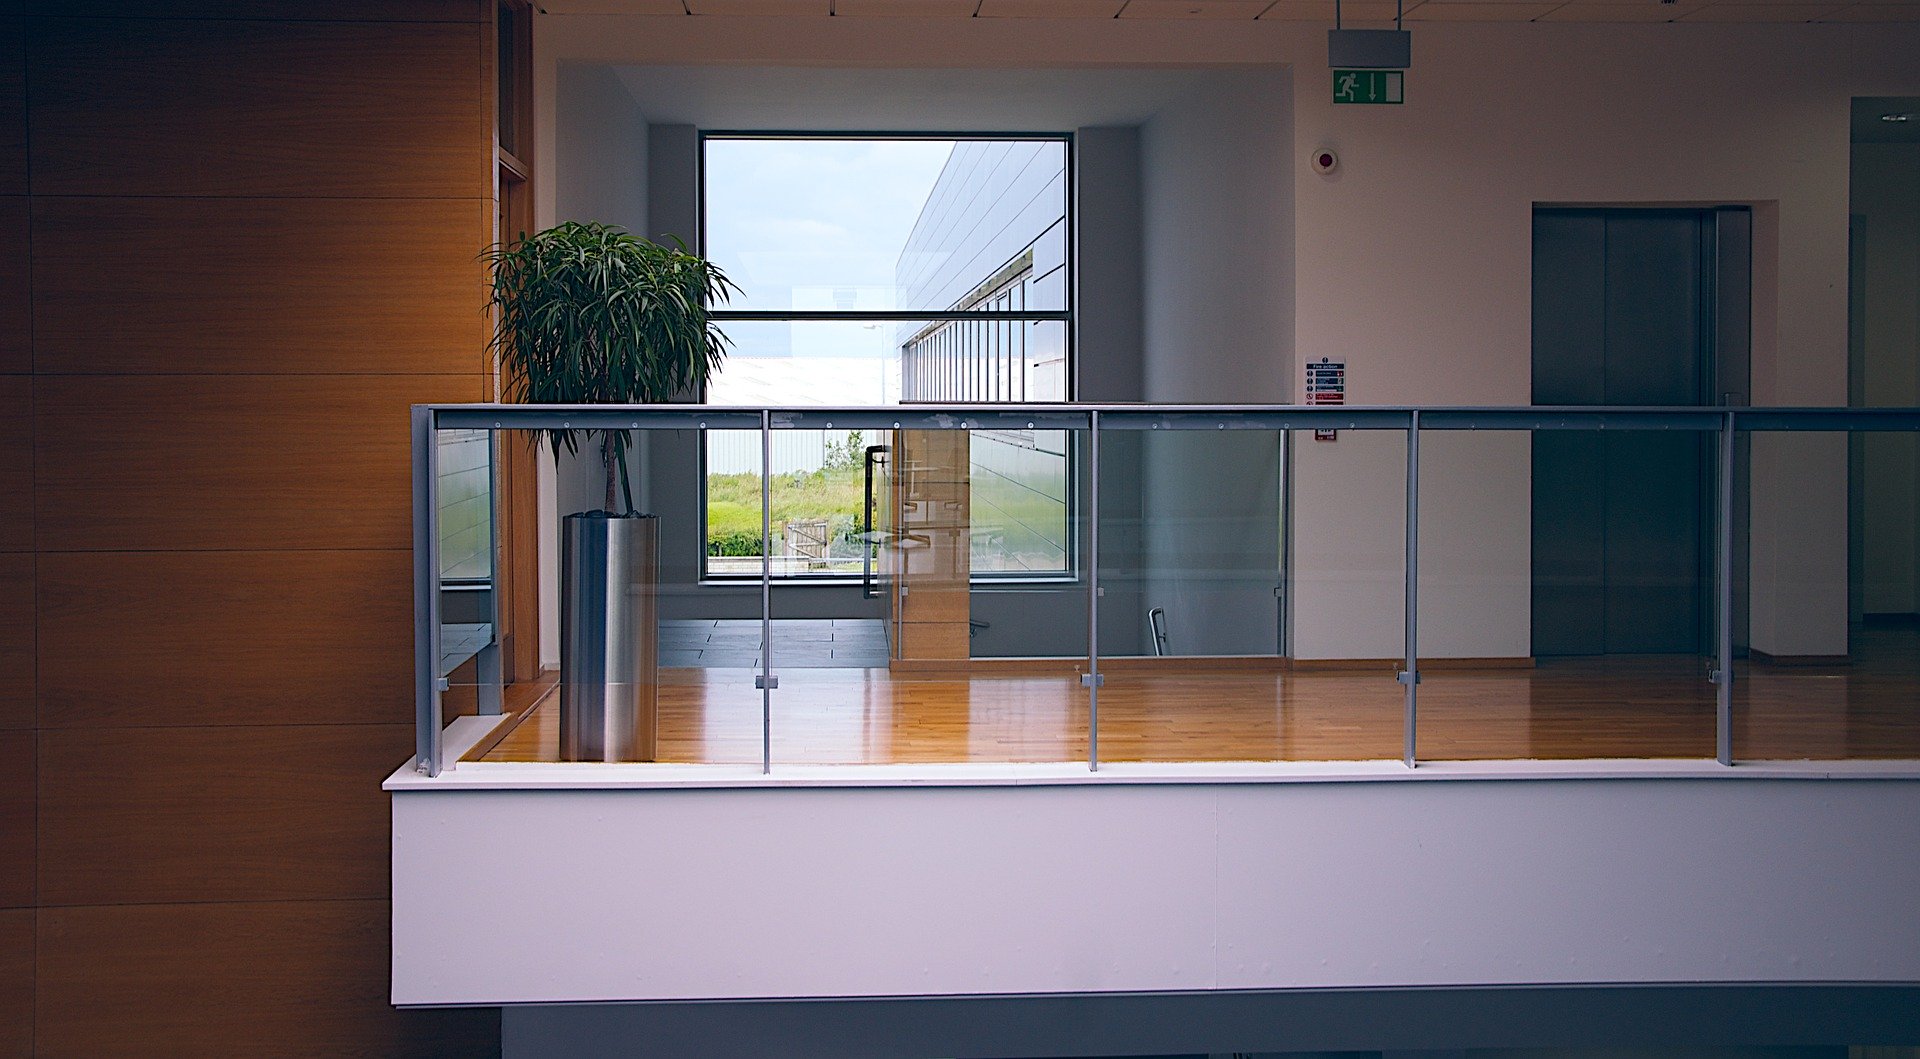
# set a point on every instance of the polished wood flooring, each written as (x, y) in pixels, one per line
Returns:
(1614, 707)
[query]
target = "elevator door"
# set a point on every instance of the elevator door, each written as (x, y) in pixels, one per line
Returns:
(1624, 309)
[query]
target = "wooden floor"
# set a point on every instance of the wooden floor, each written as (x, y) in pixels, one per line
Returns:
(1640, 707)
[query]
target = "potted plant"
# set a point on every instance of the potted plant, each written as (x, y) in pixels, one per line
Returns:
(587, 313)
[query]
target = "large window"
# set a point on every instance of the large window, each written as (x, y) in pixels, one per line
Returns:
(882, 270)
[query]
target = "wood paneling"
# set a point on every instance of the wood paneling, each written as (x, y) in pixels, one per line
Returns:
(16, 347)
(276, 285)
(16, 640)
(16, 982)
(216, 814)
(13, 106)
(250, 245)
(240, 462)
(290, 979)
(17, 786)
(286, 637)
(150, 107)
(931, 559)
(16, 463)
(296, 10)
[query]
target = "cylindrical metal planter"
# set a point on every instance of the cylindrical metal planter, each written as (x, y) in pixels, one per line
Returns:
(609, 642)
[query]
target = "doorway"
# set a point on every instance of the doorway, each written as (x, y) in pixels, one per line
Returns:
(1641, 307)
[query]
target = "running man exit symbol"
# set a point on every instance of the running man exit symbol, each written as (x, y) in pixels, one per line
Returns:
(1369, 86)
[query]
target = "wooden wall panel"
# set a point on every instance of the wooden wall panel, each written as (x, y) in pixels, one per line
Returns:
(16, 463)
(277, 285)
(13, 105)
(16, 640)
(16, 982)
(216, 814)
(17, 786)
(272, 637)
(261, 219)
(16, 347)
(304, 10)
(154, 107)
(229, 462)
(287, 979)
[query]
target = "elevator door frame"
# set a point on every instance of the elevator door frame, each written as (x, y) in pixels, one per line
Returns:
(1724, 353)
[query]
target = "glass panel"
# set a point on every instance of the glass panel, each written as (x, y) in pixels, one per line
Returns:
(928, 659)
(1832, 640)
(1194, 609)
(1567, 594)
(1018, 502)
(794, 363)
(678, 679)
(818, 494)
(839, 225)
(464, 497)
(1018, 477)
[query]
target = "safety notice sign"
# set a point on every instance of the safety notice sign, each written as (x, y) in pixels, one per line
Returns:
(1326, 384)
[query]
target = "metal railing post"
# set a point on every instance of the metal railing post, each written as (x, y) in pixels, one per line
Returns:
(489, 695)
(426, 594)
(1410, 676)
(767, 682)
(1092, 679)
(1723, 674)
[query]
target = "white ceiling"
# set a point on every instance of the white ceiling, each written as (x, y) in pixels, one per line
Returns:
(1284, 10)
(863, 100)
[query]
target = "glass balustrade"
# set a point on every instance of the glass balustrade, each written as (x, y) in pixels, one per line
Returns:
(1101, 586)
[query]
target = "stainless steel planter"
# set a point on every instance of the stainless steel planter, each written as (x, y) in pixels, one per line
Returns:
(609, 641)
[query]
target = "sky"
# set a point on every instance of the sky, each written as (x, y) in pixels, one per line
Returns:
(813, 225)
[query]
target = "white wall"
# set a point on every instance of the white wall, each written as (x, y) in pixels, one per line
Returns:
(1413, 262)
(600, 175)
(1217, 229)
(1217, 313)
(1017, 887)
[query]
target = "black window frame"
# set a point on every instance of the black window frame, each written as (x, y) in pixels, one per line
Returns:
(1066, 317)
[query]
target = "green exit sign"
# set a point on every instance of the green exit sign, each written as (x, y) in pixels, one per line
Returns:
(1369, 86)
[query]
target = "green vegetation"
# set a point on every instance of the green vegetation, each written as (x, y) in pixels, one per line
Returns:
(590, 314)
(733, 506)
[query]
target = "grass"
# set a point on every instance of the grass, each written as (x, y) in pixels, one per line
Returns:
(733, 500)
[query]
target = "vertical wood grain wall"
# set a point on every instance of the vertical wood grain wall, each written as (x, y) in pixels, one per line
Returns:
(237, 240)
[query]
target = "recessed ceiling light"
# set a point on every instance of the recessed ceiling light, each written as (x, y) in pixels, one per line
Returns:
(1896, 118)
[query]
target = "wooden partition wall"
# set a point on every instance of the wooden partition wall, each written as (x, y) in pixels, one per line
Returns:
(238, 243)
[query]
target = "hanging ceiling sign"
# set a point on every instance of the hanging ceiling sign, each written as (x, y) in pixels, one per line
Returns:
(1369, 86)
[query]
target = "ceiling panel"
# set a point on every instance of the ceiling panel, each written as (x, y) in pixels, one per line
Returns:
(1050, 8)
(1876, 13)
(1584, 11)
(1505, 11)
(1322, 11)
(1725, 12)
(907, 8)
(612, 7)
(761, 8)
(1246, 9)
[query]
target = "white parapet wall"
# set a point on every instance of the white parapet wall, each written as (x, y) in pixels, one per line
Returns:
(596, 883)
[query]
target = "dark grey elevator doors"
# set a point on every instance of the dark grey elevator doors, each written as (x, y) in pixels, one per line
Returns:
(1623, 314)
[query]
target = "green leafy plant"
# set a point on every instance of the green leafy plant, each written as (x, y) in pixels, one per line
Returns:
(587, 313)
